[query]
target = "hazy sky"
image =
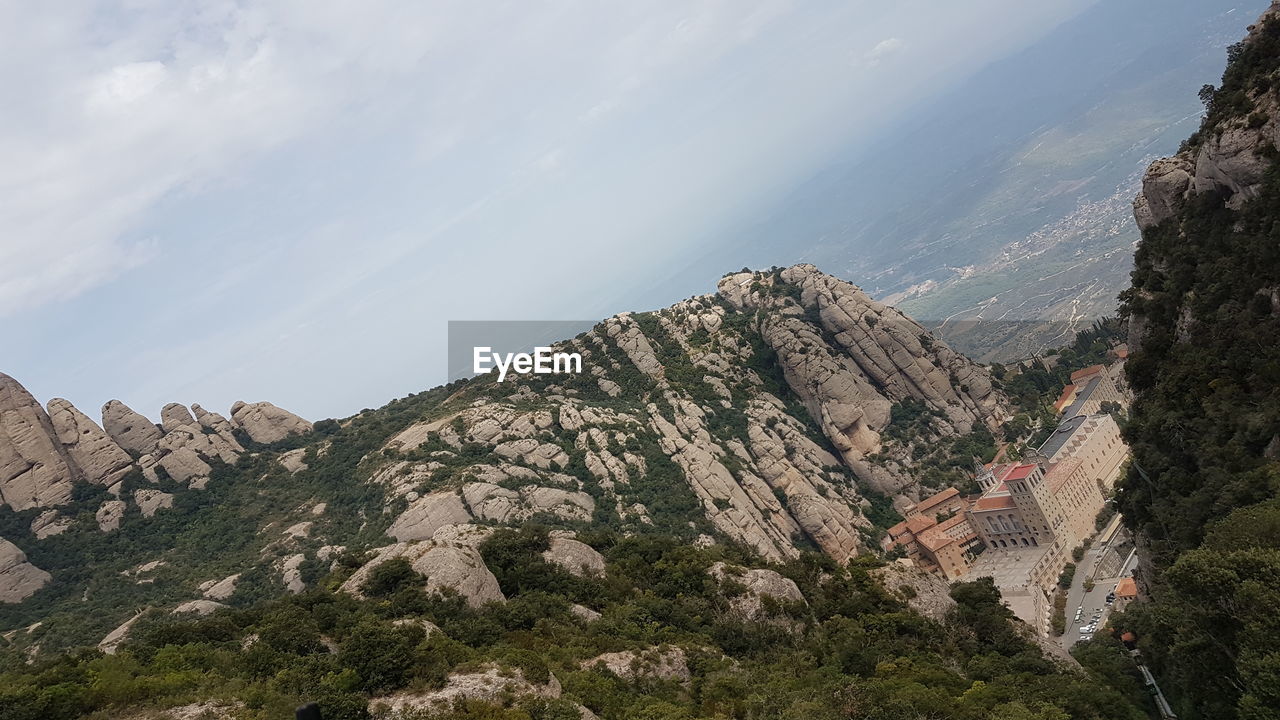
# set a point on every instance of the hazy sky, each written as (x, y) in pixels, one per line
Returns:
(287, 200)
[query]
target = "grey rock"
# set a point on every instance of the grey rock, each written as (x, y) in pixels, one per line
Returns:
(266, 423)
(102, 460)
(130, 430)
(19, 579)
(35, 469)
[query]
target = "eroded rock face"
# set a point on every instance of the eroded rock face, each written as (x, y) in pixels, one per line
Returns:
(427, 514)
(928, 594)
(490, 684)
(130, 430)
(658, 663)
(266, 423)
(174, 416)
(110, 515)
(19, 579)
(759, 584)
(35, 470)
(575, 556)
(457, 568)
(102, 460)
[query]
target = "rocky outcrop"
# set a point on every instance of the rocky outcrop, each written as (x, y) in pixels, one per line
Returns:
(927, 594)
(110, 515)
(130, 430)
(492, 684)
(657, 663)
(456, 568)
(19, 579)
(114, 639)
(149, 501)
(217, 425)
(427, 514)
(49, 523)
(758, 589)
(35, 470)
(98, 456)
(688, 385)
(198, 607)
(574, 556)
(266, 423)
(220, 589)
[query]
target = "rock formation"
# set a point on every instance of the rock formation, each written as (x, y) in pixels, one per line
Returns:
(487, 684)
(457, 568)
(19, 579)
(266, 423)
(759, 587)
(102, 460)
(35, 469)
(575, 556)
(664, 662)
(130, 430)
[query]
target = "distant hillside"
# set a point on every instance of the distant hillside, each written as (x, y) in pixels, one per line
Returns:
(999, 215)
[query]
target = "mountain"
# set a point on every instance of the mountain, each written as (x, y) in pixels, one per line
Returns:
(770, 414)
(1204, 323)
(688, 518)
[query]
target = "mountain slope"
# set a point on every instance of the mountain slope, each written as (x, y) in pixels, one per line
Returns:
(787, 412)
(1204, 318)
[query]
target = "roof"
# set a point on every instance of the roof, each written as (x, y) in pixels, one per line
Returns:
(1127, 588)
(936, 499)
(937, 536)
(1060, 472)
(1020, 472)
(920, 523)
(1060, 437)
(994, 502)
(1082, 397)
(1087, 372)
(1068, 392)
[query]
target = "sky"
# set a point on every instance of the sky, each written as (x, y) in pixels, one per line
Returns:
(288, 200)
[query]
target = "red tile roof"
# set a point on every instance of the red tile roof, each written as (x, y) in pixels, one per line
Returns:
(1087, 372)
(998, 502)
(1127, 588)
(937, 499)
(1065, 398)
(919, 523)
(1020, 472)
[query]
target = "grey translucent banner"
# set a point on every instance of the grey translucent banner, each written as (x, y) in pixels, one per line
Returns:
(499, 341)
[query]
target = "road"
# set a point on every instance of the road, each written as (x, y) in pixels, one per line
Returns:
(1095, 600)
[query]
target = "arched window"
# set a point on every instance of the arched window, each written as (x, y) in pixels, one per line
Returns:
(1025, 543)
(1033, 542)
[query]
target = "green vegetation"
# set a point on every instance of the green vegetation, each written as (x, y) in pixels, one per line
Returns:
(1201, 490)
(852, 651)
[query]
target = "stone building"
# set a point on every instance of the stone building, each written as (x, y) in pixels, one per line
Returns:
(1089, 389)
(1021, 529)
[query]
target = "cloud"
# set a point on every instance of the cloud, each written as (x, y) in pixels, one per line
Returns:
(882, 50)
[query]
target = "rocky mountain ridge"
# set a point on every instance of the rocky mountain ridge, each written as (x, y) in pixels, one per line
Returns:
(786, 412)
(45, 453)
